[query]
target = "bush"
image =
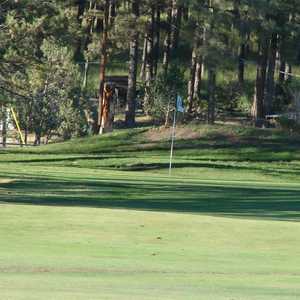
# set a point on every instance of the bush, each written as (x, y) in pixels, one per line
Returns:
(162, 93)
(289, 125)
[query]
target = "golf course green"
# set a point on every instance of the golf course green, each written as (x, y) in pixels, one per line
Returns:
(100, 218)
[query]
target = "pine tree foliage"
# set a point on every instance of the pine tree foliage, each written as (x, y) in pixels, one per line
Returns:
(236, 56)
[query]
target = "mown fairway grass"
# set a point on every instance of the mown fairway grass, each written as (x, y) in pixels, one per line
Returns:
(99, 218)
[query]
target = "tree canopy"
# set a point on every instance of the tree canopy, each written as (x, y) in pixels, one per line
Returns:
(234, 56)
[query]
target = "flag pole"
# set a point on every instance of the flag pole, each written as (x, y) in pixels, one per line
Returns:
(172, 143)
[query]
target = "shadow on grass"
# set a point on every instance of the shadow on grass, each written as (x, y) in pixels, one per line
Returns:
(46, 159)
(212, 164)
(218, 200)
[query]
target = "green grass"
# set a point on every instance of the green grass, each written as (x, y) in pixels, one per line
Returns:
(99, 218)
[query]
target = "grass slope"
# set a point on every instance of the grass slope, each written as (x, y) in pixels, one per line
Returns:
(99, 218)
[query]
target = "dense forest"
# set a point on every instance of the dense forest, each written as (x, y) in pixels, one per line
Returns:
(235, 58)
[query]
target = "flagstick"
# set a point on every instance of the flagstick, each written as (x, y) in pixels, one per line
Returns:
(172, 144)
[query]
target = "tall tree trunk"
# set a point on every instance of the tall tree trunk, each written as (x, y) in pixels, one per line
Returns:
(174, 19)
(80, 13)
(196, 68)
(241, 67)
(177, 10)
(83, 45)
(186, 12)
(112, 12)
(38, 137)
(193, 69)
(144, 57)
(211, 96)
(167, 42)
(198, 76)
(282, 71)
(282, 76)
(290, 72)
(86, 74)
(156, 40)
(270, 86)
(4, 125)
(281, 67)
(242, 48)
(103, 61)
(132, 73)
(81, 8)
(149, 62)
(257, 110)
(150, 47)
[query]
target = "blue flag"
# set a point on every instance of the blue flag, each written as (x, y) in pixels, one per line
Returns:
(179, 104)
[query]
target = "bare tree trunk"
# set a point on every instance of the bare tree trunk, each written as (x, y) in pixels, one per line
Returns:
(112, 12)
(198, 76)
(144, 57)
(270, 86)
(282, 76)
(196, 69)
(177, 10)
(290, 72)
(211, 96)
(4, 125)
(37, 140)
(242, 48)
(150, 47)
(191, 84)
(85, 42)
(174, 19)
(132, 73)
(86, 73)
(149, 62)
(282, 71)
(81, 7)
(241, 67)
(257, 110)
(80, 12)
(103, 61)
(167, 42)
(156, 40)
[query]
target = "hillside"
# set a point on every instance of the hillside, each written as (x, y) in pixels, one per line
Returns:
(234, 151)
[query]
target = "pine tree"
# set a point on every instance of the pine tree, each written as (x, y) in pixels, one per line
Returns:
(133, 64)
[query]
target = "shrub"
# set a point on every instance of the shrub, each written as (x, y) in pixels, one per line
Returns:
(289, 125)
(162, 93)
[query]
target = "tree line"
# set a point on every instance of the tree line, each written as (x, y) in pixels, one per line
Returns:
(221, 55)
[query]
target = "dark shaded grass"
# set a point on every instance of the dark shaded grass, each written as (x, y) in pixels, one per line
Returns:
(220, 200)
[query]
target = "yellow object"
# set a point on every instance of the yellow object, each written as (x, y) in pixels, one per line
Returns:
(18, 126)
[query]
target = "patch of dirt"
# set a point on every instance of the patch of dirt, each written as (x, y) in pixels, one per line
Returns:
(5, 181)
(164, 134)
(147, 146)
